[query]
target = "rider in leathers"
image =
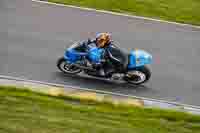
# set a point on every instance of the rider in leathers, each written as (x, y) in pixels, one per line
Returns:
(113, 59)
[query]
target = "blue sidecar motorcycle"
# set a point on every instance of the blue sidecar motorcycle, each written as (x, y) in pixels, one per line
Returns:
(76, 60)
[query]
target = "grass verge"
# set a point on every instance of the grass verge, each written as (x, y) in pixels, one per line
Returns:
(182, 11)
(25, 111)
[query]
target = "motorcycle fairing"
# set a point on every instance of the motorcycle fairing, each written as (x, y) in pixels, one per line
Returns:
(94, 55)
(138, 58)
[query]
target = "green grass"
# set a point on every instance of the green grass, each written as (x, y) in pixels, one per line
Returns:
(22, 111)
(184, 11)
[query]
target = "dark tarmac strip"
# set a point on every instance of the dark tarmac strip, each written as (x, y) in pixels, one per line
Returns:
(33, 35)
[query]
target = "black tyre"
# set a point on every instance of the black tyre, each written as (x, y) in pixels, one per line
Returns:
(138, 76)
(65, 67)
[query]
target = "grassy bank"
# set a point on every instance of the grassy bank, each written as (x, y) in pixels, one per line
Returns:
(24, 111)
(184, 11)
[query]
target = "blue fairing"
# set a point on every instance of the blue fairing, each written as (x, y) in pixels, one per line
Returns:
(73, 56)
(94, 55)
(139, 58)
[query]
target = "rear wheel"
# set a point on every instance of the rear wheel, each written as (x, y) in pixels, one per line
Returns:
(65, 67)
(138, 76)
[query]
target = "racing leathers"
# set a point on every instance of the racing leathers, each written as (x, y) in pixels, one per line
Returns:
(113, 58)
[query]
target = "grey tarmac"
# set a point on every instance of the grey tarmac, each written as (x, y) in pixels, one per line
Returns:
(34, 35)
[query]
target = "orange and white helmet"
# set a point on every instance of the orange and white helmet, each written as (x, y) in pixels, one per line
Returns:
(103, 39)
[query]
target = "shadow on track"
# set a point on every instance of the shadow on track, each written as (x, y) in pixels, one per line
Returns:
(99, 84)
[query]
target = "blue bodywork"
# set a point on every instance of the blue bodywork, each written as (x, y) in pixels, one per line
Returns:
(93, 55)
(137, 58)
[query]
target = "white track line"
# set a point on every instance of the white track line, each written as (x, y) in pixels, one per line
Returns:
(118, 14)
(97, 91)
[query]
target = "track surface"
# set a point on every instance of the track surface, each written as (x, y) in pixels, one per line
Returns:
(34, 35)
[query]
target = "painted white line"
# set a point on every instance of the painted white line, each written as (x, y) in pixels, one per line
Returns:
(118, 14)
(99, 91)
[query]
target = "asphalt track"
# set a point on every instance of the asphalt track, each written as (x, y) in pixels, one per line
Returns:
(33, 35)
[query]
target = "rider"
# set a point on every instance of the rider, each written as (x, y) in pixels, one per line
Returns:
(118, 57)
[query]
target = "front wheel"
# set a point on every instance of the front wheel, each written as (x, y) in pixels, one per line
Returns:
(138, 76)
(67, 68)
